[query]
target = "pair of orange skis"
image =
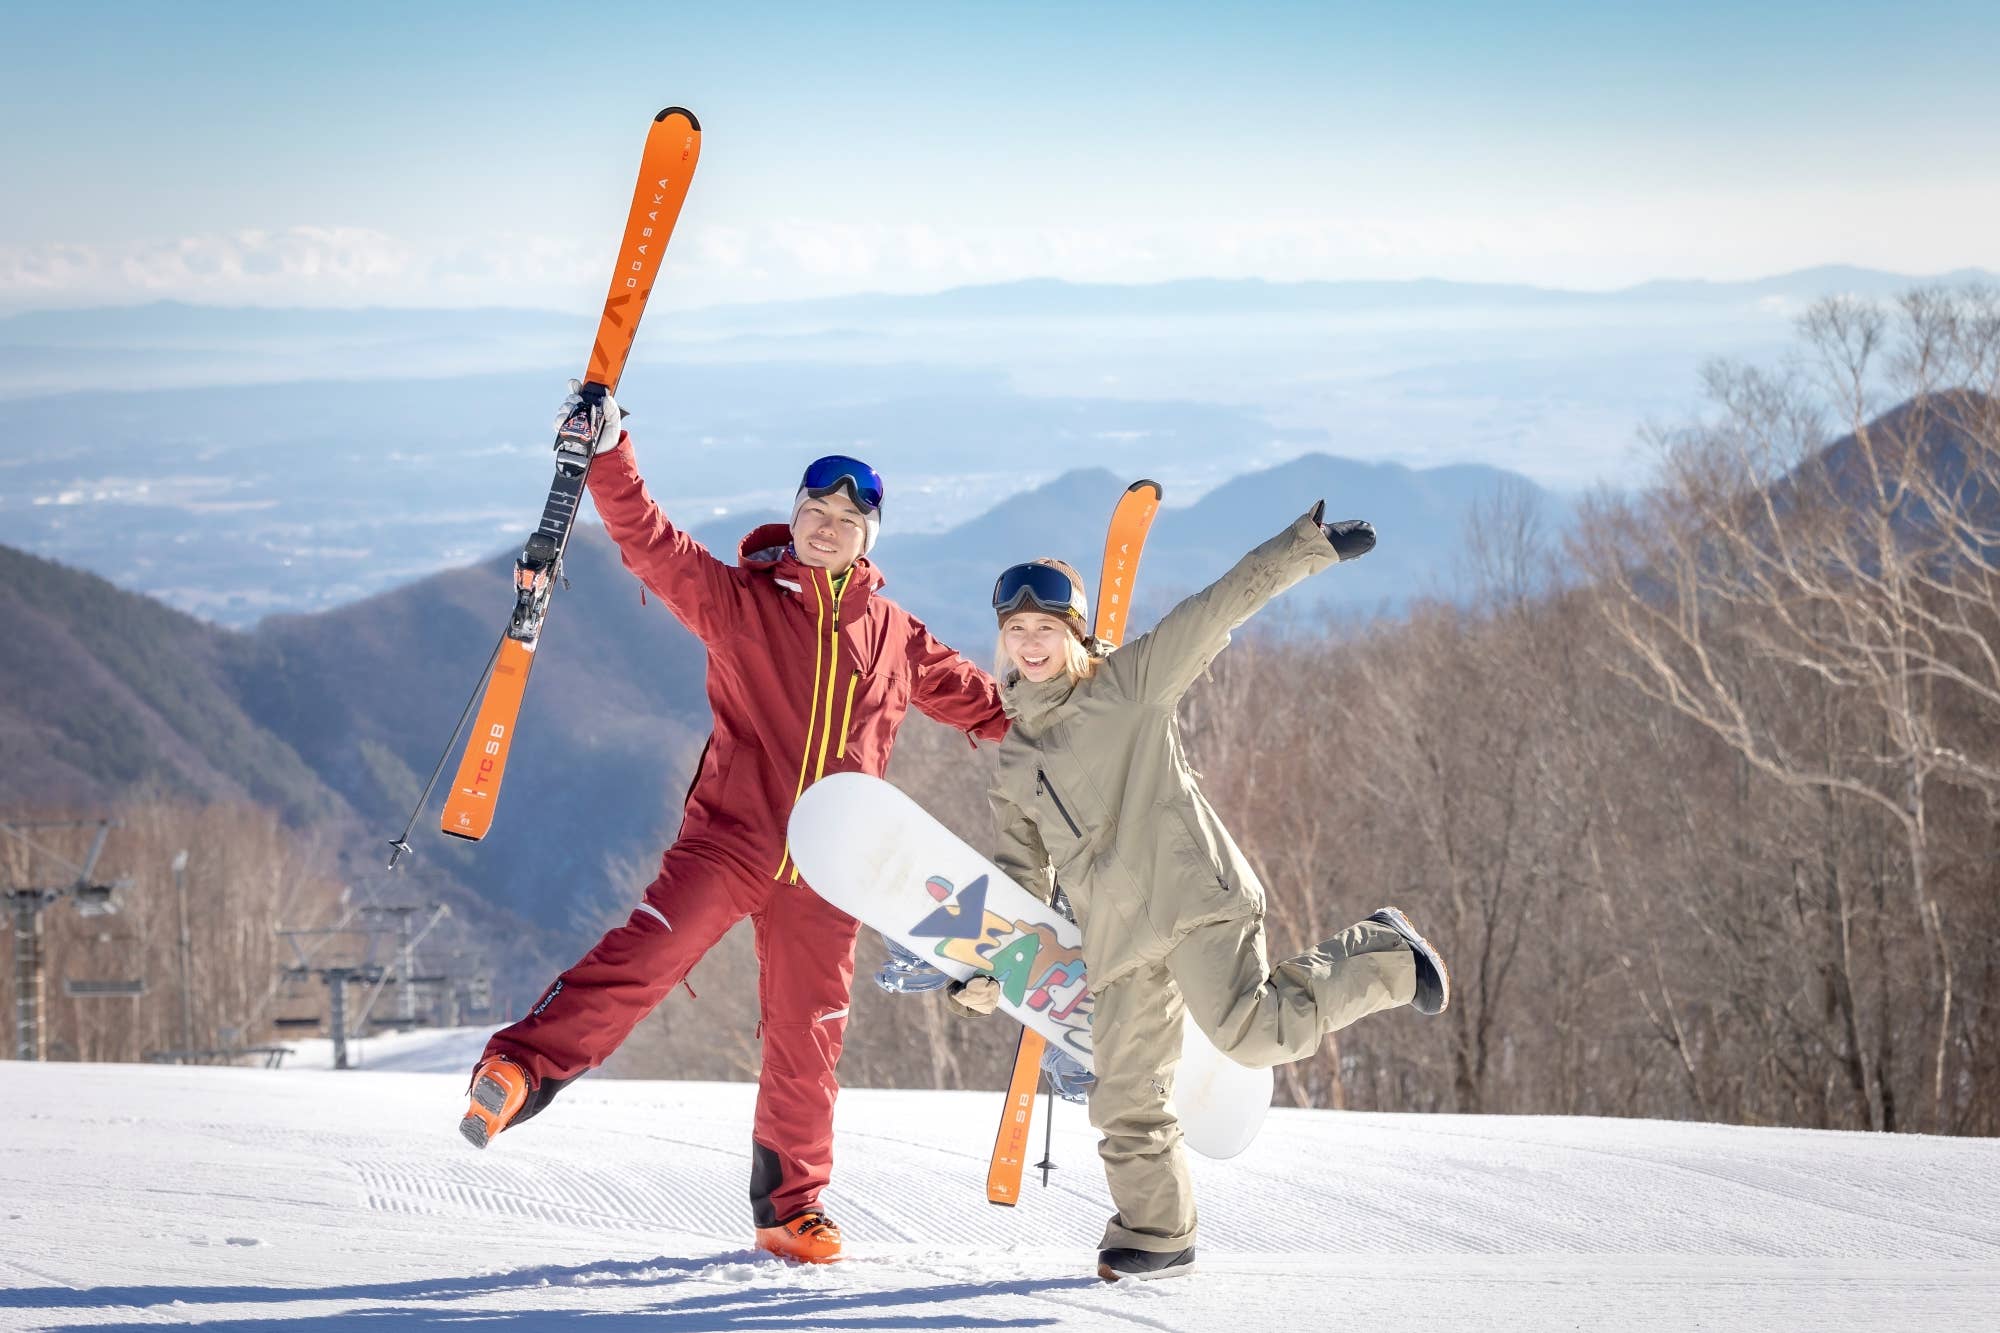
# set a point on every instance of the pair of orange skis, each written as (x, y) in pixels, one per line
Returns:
(1130, 522)
(673, 146)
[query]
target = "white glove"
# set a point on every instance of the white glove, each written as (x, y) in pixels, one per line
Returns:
(586, 427)
(981, 995)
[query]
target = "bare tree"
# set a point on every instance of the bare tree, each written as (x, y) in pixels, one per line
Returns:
(246, 874)
(1822, 607)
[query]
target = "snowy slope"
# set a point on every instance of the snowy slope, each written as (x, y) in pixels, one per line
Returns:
(141, 1197)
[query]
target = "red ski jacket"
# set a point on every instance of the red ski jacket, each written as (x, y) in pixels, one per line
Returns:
(801, 684)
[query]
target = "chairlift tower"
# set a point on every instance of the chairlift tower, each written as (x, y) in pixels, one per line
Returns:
(337, 980)
(336, 977)
(372, 924)
(408, 937)
(26, 903)
(367, 972)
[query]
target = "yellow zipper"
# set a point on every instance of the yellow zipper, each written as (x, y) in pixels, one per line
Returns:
(812, 713)
(847, 715)
(833, 681)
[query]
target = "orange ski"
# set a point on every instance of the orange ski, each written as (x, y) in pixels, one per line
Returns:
(1124, 541)
(468, 810)
(1010, 1145)
(673, 147)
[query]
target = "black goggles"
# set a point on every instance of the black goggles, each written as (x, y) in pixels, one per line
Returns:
(826, 475)
(1043, 586)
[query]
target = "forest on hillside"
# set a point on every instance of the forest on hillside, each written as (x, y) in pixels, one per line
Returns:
(1700, 796)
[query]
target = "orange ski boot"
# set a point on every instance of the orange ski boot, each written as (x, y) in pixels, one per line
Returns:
(499, 1091)
(810, 1238)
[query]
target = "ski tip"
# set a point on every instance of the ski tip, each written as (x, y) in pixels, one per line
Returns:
(1146, 484)
(678, 111)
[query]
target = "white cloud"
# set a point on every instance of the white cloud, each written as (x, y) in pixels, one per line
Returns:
(1575, 241)
(307, 264)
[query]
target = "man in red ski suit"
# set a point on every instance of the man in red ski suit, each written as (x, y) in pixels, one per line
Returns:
(810, 671)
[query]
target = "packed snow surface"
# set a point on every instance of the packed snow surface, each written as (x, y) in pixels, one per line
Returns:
(147, 1197)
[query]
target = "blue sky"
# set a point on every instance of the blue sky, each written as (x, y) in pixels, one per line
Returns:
(482, 154)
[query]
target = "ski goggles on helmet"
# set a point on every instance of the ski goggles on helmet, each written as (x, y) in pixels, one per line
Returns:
(836, 472)
(1044, 587)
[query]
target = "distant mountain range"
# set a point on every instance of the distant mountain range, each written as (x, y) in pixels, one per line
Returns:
(336, 718)
(163, 325)
(1420, 516)
(305, 496)
(1043, 298)
(239, 463)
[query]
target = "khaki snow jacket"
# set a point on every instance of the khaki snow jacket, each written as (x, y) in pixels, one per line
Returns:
(1094, 790)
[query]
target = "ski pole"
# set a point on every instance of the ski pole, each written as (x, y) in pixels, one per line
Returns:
(402, 844)
(1048, 1162)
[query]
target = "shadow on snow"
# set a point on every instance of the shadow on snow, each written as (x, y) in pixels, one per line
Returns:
(751, 1307)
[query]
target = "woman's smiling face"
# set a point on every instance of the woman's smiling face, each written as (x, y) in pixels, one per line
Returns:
(1034, 640)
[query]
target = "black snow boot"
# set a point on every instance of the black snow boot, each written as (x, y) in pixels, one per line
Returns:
(1145, 1265)
(1433, 978)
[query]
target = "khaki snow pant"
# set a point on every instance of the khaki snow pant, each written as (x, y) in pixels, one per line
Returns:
(1255, 1014)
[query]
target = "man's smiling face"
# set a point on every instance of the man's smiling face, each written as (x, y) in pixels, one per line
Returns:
(829, 533)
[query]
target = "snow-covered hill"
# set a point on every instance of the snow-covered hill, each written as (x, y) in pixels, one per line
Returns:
(147, 1197)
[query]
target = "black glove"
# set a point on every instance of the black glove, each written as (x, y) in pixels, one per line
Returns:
(1351, 538)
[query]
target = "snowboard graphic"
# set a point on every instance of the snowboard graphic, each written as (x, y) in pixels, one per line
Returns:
(877, 855)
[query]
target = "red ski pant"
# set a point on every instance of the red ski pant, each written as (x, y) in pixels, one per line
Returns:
(805, 970)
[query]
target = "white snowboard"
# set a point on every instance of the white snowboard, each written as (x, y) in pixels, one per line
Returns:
(877, 855)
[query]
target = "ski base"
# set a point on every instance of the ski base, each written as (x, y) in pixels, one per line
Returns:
(1010, 1145)
(468, 808)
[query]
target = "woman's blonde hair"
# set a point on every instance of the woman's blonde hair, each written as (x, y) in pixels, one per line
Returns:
(1079, 663)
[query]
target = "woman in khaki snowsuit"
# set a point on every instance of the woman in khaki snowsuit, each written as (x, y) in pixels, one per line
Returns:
(1095, 794)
